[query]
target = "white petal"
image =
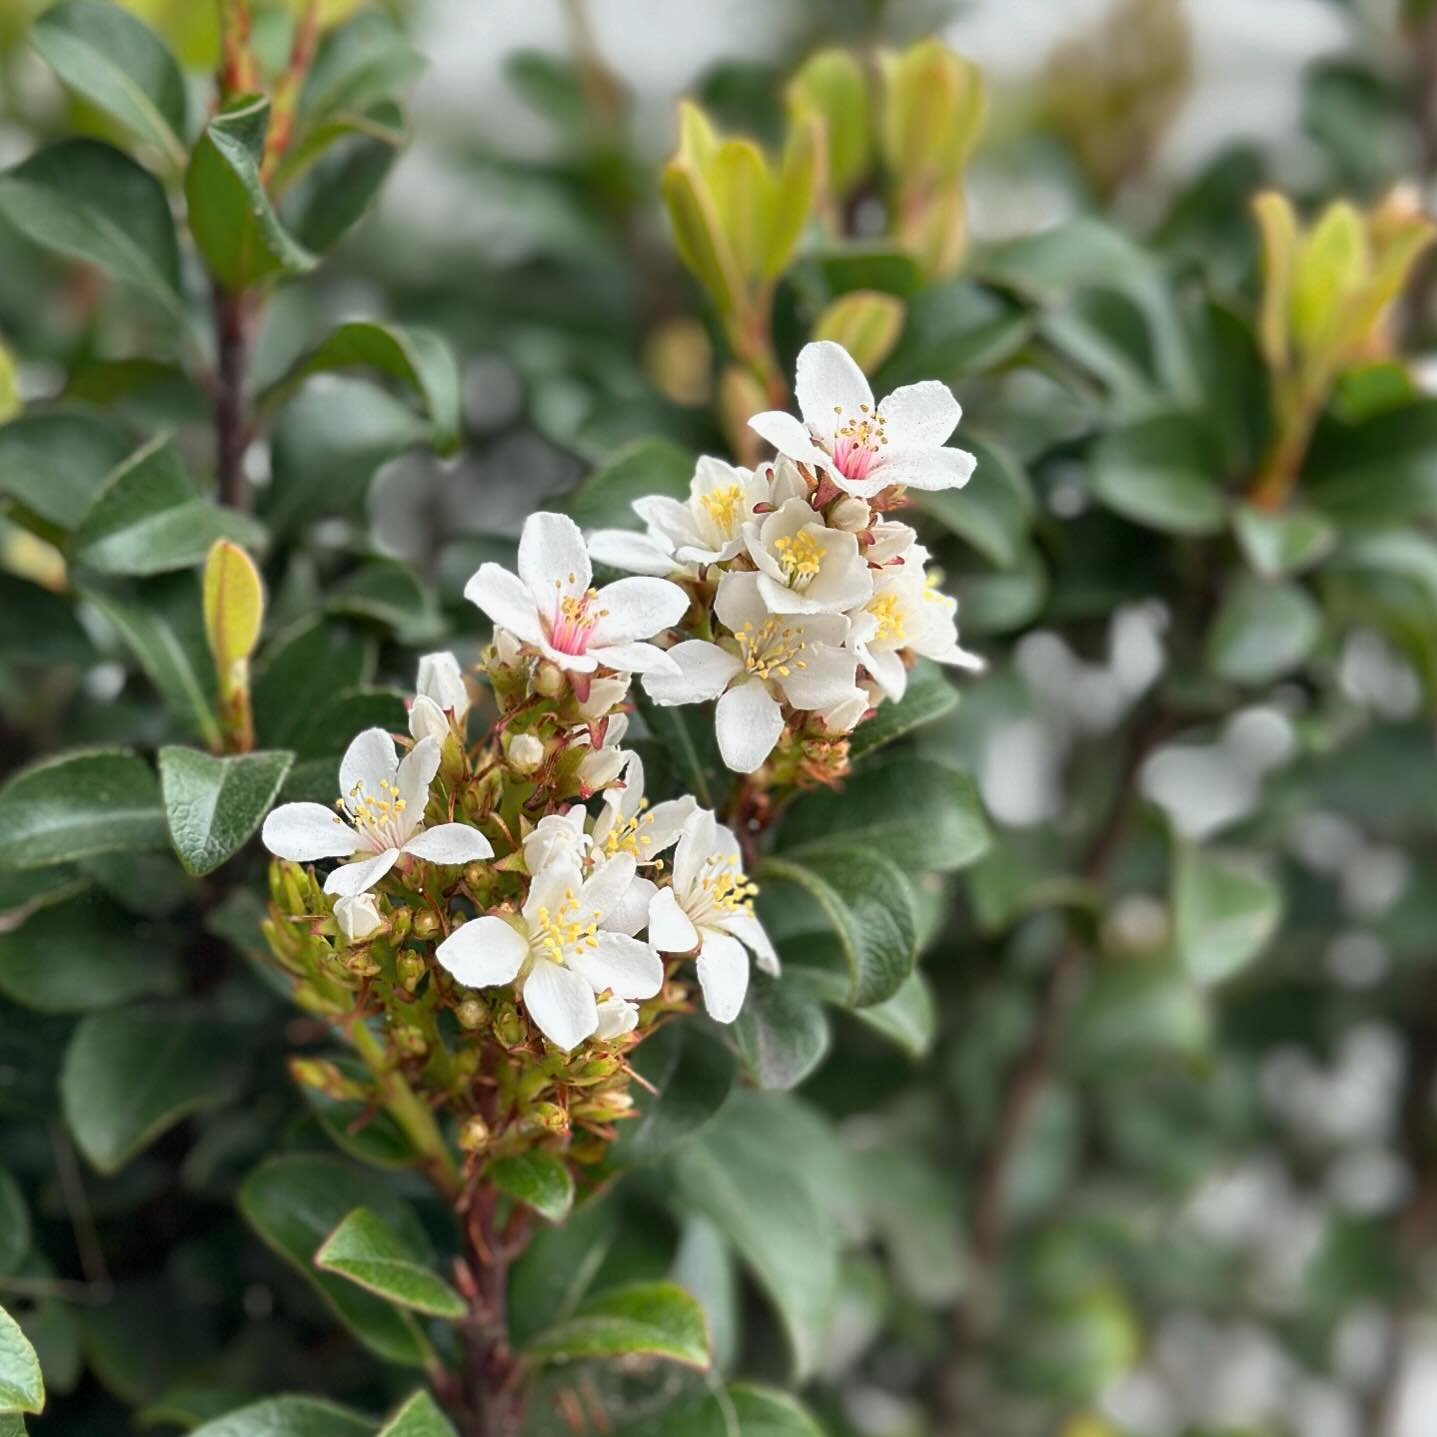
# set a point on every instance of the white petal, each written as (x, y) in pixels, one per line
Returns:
(427, 719)
(670, 518)
(616, 1017)
(450, 843)
(670, 930)
(358, 918)
(748, 724)
(623, 965)
(442, 680)
(750, 932)
(557, 838)
(889, 673)
(827, 378)
(303, 832)
(703, 671)
(561, 1003)
(826, 681)
(632, 658)
(550, 886)
(605, 887)
(920, 416)
(636, 608)
(416, 773)
(509, 605)
(368, 764)
(352, 878)
(699, 840)
(631, 913)
(631, 552)
(926, 468)
(738, 602)
(723, 975)
(664, 822)
(552, 553)
(787, 435)
(484, 953)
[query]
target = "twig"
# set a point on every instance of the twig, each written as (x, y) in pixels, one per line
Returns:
(231, 436)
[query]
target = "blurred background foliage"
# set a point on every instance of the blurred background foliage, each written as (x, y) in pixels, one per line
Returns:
(1147, 1150)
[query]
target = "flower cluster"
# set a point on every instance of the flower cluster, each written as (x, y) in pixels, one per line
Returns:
(807, 605)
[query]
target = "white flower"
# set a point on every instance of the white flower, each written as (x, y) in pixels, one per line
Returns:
(794, 659)
(550, 605)
(888, 540)
(710, 908)
(617, 1016)
(604, 761)
(440, 696)
(557, 837)
(604, 696)
(560, 953)
(864, 447)
(358, 918)
(383, 802)
(804, 566)
(526, 752)
(906, 612)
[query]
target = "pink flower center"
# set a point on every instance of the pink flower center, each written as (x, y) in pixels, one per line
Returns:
(857, 441)
(573, 622)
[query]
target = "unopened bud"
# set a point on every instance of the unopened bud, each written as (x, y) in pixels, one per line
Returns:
(595, 1070)
(603, 1106)
(850, 514)
(467, 1061)
(549, 1116)
(474, 1134)
(411, 968)
(472, 1013)
(475, 874)
(358, 917)
(361, 965)
(526, 753)
(324, 1077)
(410, 1041)
(549, 679)
(426, 923)
(400, 923)
(509, 1027)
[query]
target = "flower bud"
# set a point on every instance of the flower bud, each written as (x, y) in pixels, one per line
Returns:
(526, 753)
(325, 1077)
(866, 323)
(549, 679)
(358, 918)
(474, 1134)
(442, 680)
(605, 695)
(601, 1107)
(400, 923)
(849, 514)
(361, 965)
(475, 874)
(426, 923)
(507, 649)
(549, 1116)
(508, 1026)
(410, 1041)
(472, 1013)
(411, 969)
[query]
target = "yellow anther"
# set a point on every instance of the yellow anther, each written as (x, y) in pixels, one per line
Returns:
(724, 506)
(768, 649)
(800, 555)
(889, 613)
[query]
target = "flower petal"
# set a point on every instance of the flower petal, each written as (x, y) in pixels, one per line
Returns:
(664, 822)
(631, 552)
(605, 887)
(668, 516)
(920, 416)
(552, 558)
(750, 932)
(670, 929)
(631, 913)
(623, 965)
(616, 1017)
(484, 952)
(561, 1003)
(738, 602)
(303, 832)
(926, 468)
(788, 436)
(352, 878)
(416, 772)
(699, 839)
(828, 378)
(633, 658)
(368, 763)
(636, 608)
(748, 723)
(550, 885)
(827, 679)
(723, 975)
(442, 680)
(509, 605)
(427, 719)
(450, 843)
(702, 672)
(358, 918)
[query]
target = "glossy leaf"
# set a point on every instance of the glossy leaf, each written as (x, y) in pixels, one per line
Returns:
(1262, 631)
(213, 805)
(419, 1417)
(22, 1389)
(369, 1253)
(540, 1179)
(756, 1411)
(288, 1417)
(993, 510)
(782, 1031)
(77, 804)
(298, 670)
(359, 64)
(54, 464)
(131, 1073)
(929, 696)
(647, 1319)
(692, 1073)
(1163, 473)
(909, 1018)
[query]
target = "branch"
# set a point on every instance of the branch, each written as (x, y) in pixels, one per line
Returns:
(231, 424)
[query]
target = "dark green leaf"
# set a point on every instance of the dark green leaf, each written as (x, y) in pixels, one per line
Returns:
(21, 1386)
(213, 805)
(739, 1411)
(345, 161)
(231, 218)
(692, 1072)
(1164, 473)
(540, 1179)
(83, 954)
(1223, 914)
(360, 63)
(647, 466)
(38, 626)
(782, 1032)
(295, 1202)
(909, 1018)
(114, 61)
(928, 697)
(419, 1417)
(1283, 543)
(330, 727)
(14, 1225)
(1262, 631)
(54, 464)
(288, 1417)
(368, 1252)
(876, 266)
(298, 670)
(131, 1073)
(386, 592)
(147, 519)
(647, 1319)
(993, 510)
(76, 804)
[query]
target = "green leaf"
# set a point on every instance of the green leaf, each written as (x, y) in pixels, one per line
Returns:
(604, 498)
(328, 729)
(782, 1032)
(369, 1253)
(14, 1225)
(865, 900)
(89, 202)
(692, 1073)
(685, 736)
(742, 1410)
(922, 815)
(298, 670)
(929, 697)
(213, 805)
(12, 1424)
(1262, 631)
(1224, 914)
(993, 510)
(1140, 1012)
(359, 64)
(111, 59)
(132, 1073)
(653, 1319)
(418, 358)
(162, 631)
(387, 592)
(81, 955)
(76, 804)
(419, 1417)
(345, 162)
(37, 626)
(294, 1203)
(764, 1194)
(233, 223)
(21, 1387)
(540, 1179)
(288, 1417)
(54, 464)
(1283, 543)
(870, 266)
(909, 1018)
(147, 519)
(1163, 473)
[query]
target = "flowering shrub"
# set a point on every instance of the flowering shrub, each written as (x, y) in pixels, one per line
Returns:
(579, 856)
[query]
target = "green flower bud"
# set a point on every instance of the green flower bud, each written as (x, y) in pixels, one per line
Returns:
(509, 1027)
(426, 923)
(410, 1041)
(472, 1013)
(549, 1116)
(474, 1134)
(411, 968)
